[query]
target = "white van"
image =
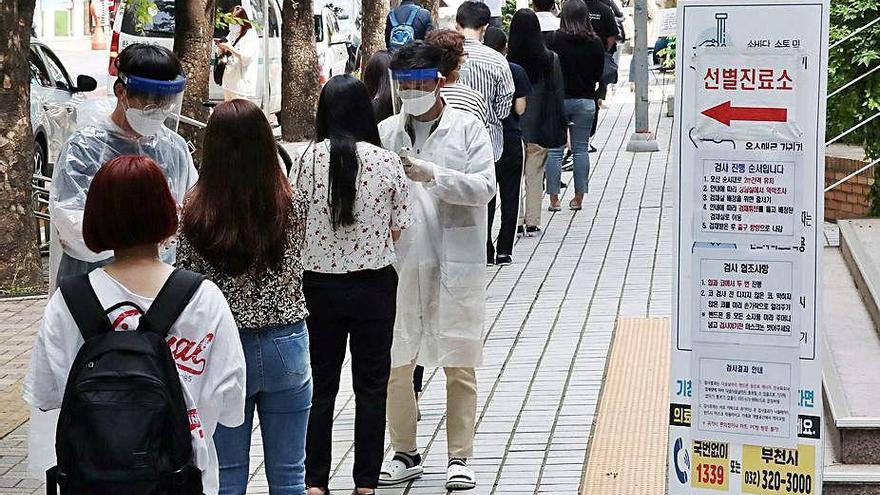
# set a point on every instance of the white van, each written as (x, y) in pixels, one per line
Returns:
(335, 48)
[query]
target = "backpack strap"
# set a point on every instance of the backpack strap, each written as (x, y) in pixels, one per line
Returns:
(171, 301)
(393, 19)
(84, 306)
(412, 15)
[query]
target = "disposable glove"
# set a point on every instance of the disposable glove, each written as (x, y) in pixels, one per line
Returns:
(417, 169)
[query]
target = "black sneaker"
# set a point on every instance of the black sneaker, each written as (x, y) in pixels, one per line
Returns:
(502, 260)
(593, 149)
(531, 229)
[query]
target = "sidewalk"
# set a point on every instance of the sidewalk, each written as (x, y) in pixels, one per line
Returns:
(551, 316)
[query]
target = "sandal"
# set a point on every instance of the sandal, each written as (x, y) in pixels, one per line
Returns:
(459, 476)
(574, 205)
(553, 207)
(401, 468)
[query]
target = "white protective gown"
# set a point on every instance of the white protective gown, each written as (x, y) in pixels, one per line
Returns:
(97, 141)
(442, 258)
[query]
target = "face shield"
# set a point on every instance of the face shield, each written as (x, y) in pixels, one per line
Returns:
(150, 103)
(415, 91)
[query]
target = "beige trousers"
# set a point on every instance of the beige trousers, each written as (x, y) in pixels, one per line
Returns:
(533, 171)
(461, 410)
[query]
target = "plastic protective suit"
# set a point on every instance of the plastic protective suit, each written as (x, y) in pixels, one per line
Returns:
(97, 141)
(442, 259)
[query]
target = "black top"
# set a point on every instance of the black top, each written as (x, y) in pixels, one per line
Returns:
(603, 21)
(421, 24)
(583, 63)
(522, 88)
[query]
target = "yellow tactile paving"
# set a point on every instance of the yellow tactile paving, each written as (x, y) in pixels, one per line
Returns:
(628, 450)
(13, 410)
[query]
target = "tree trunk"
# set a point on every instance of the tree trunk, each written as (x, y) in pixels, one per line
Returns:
(373, 31)
(299, 75)
(434, 7)
(193, 32)
(20, 268)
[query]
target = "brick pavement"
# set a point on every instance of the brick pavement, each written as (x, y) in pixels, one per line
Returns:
(551, 318)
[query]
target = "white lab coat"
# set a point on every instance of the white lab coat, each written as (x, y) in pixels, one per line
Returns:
(442, 258)
(242, 72)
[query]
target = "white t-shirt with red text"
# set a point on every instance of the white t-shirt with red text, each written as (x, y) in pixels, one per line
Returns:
(204, 342)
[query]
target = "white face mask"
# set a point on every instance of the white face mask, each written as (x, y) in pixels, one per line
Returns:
(234, 29)
(417, 102)
(145, 122)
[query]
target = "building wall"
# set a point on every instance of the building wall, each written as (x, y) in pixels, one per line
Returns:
(850, 199)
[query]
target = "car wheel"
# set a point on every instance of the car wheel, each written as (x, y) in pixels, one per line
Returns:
(40, 165)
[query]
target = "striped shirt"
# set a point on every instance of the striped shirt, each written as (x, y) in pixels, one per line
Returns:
(467, 100)
(488, 72)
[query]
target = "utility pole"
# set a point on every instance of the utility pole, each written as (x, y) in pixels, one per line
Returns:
(643, 139)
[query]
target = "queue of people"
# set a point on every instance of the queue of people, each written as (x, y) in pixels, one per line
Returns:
(258, 281)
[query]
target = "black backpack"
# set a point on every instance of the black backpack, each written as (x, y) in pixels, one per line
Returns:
(123, 426)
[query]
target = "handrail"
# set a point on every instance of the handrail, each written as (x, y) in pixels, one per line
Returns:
(853, 128)
(866, 74)
(854, 33)
(193, 122)
(850, 176)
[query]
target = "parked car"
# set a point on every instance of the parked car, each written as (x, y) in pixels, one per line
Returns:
(334, 47)
(54, 101)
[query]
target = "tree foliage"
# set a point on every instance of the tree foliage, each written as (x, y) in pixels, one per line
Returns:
(853, 58)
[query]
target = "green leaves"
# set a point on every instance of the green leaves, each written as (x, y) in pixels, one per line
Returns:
(846, 62)
(144, 11)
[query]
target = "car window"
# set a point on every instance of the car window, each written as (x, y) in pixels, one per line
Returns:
(141, 18)
(39, 74)
(56, 71)
(274, 31)
(319, 28)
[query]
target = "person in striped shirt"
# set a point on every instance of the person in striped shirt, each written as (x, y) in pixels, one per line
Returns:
(485, 70)
(454, 93)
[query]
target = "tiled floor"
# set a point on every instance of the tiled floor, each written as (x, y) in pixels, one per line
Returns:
(551, 316)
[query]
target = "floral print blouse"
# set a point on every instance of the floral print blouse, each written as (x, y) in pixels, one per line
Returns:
(381, 204)
(264, 298)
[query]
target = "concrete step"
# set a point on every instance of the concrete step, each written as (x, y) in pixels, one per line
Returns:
(851, 372)
(847, 479)
(860, 245)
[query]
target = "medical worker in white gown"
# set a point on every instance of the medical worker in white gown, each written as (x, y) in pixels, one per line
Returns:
(442, 290)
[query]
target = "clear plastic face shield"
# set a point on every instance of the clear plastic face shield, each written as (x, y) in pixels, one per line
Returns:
(151, 103)
(415, 91)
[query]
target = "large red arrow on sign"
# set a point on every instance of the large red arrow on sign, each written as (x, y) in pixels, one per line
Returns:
(724, 113)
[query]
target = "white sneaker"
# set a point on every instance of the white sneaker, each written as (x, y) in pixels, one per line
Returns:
(459, 476)
(401, 468)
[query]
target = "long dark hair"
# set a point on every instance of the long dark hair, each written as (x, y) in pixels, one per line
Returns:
(574, 20)
(238, 213)
(378, 84)
(526, 45)
(345, 117)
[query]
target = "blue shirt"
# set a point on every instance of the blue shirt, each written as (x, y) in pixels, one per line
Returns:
(421, 24)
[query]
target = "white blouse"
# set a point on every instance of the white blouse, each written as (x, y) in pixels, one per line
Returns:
(381, 204)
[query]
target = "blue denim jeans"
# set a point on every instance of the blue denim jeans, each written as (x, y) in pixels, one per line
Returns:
(279, 387)
(580, 113)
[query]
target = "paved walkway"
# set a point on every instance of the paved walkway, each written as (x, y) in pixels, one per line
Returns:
(551, 316)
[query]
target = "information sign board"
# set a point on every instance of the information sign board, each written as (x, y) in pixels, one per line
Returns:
(745, 396)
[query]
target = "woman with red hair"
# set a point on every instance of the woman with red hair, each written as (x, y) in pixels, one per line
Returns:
(131, 211)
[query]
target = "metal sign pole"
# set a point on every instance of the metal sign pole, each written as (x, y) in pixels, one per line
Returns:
(642, 140)
(267, 32)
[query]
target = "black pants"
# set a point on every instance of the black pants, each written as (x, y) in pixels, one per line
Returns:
(508, 173)
(358, 307)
